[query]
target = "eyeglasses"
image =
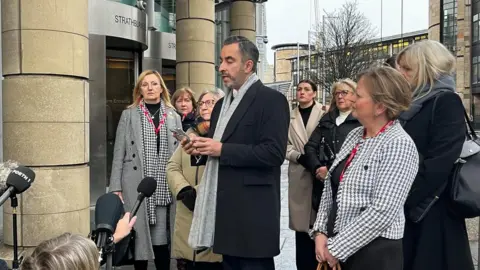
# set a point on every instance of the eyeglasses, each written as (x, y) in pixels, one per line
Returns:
(340, 93)
(209, 103)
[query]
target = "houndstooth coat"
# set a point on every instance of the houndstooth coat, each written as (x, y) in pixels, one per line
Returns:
(127, 171)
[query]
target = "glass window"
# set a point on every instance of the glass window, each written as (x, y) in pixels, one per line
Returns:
(476, 28)
(449, 30)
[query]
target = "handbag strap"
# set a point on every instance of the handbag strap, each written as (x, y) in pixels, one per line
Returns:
(470, 131)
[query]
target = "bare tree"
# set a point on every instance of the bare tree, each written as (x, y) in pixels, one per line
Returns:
(344, 44)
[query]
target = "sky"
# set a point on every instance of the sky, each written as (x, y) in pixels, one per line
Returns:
(289, 23)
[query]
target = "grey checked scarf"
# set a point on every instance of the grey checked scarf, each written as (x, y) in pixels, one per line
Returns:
(203, 223)
(155, 165)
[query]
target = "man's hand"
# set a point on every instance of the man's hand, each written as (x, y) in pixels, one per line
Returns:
(188, 146)
(124, 226)
(321, 173)
(207, 146)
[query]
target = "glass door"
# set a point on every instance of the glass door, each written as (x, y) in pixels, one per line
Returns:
(120, 80)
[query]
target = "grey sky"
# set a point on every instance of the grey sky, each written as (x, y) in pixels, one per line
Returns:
(289, 21)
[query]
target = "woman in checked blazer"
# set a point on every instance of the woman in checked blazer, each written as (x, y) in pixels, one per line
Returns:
(360, 220)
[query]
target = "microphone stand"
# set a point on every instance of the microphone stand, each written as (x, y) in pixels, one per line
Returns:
(14, 203)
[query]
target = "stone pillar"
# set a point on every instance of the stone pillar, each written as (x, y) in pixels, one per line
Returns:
(242, 19)
(195, 45)
(435, 14)
(45, 116)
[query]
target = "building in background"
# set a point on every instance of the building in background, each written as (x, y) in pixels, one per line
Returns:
(261, 41)
(291, 63)
(455, 23)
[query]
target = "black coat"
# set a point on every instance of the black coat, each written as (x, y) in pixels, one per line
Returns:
(440, 240)
(254, 146)
(334, 137)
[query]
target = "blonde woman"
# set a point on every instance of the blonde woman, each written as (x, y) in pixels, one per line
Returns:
(329, 135)
(185, 103)
(438, 241)
(143, 146)
(184, 174)
(303, 121)
(360, 220)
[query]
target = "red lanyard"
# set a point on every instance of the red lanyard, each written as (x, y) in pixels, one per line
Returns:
(160, 123)
(355, 150)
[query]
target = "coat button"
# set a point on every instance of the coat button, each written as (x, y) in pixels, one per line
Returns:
(133, 142)
(365, 167)
(133, 155)
(135, 168)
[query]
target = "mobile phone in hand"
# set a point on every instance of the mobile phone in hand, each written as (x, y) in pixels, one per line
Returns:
(179, 134)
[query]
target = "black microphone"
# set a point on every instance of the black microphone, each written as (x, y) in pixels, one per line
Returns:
(145, 189)
(108, 211)
(18, 180)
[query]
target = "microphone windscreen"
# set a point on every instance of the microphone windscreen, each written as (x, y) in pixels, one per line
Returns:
(5, 170)
(147, 186)
(20, 178)
(108, 210)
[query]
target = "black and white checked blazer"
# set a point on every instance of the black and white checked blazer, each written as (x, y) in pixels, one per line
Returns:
(373, 191)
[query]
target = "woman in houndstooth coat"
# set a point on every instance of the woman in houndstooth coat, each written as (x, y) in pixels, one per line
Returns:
(143, 146)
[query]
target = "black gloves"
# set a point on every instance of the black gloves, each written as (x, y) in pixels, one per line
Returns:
(303, 160)
(188, 195)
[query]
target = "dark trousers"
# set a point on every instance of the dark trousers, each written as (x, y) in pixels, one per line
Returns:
(162, 259)
(380, 254)
(305, 252)
(239, 263)
(183, 264)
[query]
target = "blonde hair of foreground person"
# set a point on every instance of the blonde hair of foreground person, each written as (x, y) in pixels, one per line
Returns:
(65, 252)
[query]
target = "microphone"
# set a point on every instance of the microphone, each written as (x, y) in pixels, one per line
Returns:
(5, 170)
(108, 210)
(145, 189)
(18, 180)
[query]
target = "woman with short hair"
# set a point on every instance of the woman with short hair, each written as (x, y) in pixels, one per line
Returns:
(360, 219)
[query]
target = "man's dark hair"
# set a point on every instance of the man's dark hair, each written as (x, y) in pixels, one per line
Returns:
(391, 61)
(247, 48)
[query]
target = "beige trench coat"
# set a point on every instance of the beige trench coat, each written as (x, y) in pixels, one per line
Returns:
(299, 179)
(181, 174)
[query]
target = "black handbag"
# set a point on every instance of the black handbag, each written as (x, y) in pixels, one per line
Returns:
(465, 181)
(325, 156)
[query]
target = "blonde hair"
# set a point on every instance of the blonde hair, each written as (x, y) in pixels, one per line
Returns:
(428, 59)
(348, 82)
(137, 93)
(387, 86)
(67, 251)
(182, 91)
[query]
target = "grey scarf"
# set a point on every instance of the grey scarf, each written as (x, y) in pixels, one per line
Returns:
(203, 224)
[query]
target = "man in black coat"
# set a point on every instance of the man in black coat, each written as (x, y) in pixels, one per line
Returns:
(250, 153)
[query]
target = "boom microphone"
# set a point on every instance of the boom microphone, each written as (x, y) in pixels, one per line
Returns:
(108, 210)
(145, 189)
(18, 180)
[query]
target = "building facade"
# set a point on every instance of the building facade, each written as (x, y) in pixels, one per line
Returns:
(77, 65)
(293, 64)
(451, 22)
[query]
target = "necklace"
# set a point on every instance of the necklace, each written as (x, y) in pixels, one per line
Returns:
(153, 114)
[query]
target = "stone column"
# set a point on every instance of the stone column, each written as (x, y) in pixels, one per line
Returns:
(195, 45)
(242, 19)
(45, 116)
(435, 14)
